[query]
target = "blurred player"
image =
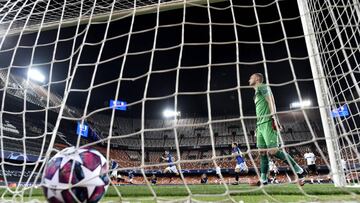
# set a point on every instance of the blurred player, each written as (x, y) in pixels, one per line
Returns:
(120, 178)
(345, 169)
(113, 167)
(153, 179)
(241, 166)
(204, 179)
(131, 176)
(311, 165)
(267, 124)
(171, 166)
(218, 174)
(344, 165)
(274, 171)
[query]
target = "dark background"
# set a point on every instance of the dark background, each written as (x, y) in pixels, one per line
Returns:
(199, 52)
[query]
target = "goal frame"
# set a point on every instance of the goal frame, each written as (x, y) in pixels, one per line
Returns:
(321, 87)
(317, 68)
(152, 8)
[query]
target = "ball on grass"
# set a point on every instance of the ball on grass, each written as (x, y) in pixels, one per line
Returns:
(76, 175)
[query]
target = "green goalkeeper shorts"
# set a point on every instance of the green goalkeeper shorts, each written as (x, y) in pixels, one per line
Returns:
(266, 136)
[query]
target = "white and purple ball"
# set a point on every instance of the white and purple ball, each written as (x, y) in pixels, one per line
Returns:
(89, 180)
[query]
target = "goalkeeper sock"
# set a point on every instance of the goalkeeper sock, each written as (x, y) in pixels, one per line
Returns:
(264, 167)
(285, 157)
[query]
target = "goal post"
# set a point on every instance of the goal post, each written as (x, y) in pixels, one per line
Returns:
(322, 95)
(332, 38)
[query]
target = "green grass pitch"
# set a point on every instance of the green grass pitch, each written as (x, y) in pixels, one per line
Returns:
(217, 193)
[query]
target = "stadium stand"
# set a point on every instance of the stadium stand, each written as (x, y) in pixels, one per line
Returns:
(192, 134)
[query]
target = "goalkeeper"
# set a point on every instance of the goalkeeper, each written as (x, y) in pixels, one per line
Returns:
(266, 130)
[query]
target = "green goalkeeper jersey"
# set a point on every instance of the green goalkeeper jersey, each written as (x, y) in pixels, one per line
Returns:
(262, 107)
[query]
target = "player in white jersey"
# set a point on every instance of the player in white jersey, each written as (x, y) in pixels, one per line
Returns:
(344, 165)
(274, 171)
(218, 174)
(345, 169)
(311, 164)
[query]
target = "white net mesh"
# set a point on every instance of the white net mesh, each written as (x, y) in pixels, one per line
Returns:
(337, 39)
(193, 57)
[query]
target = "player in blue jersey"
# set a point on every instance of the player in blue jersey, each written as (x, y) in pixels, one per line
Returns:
(131, 176)
(171, 168)
(241, 166)
(170, 160)
(153, 179)
(113, 167)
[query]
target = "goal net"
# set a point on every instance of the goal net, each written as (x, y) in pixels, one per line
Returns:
(149, 76)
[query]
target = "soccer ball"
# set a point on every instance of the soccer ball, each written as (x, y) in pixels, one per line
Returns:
(87, 169)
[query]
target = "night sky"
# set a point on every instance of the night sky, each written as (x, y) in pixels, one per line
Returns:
(193, 72)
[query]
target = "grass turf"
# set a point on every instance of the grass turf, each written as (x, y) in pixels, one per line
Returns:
(245, 193)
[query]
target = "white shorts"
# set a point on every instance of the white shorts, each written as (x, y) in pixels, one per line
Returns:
(242, 166)
(172, 169)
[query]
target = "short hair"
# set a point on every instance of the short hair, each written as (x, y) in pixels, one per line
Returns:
(235, 143)
(261, 76)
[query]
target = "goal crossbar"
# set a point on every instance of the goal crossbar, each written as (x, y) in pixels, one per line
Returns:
(69, 21)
